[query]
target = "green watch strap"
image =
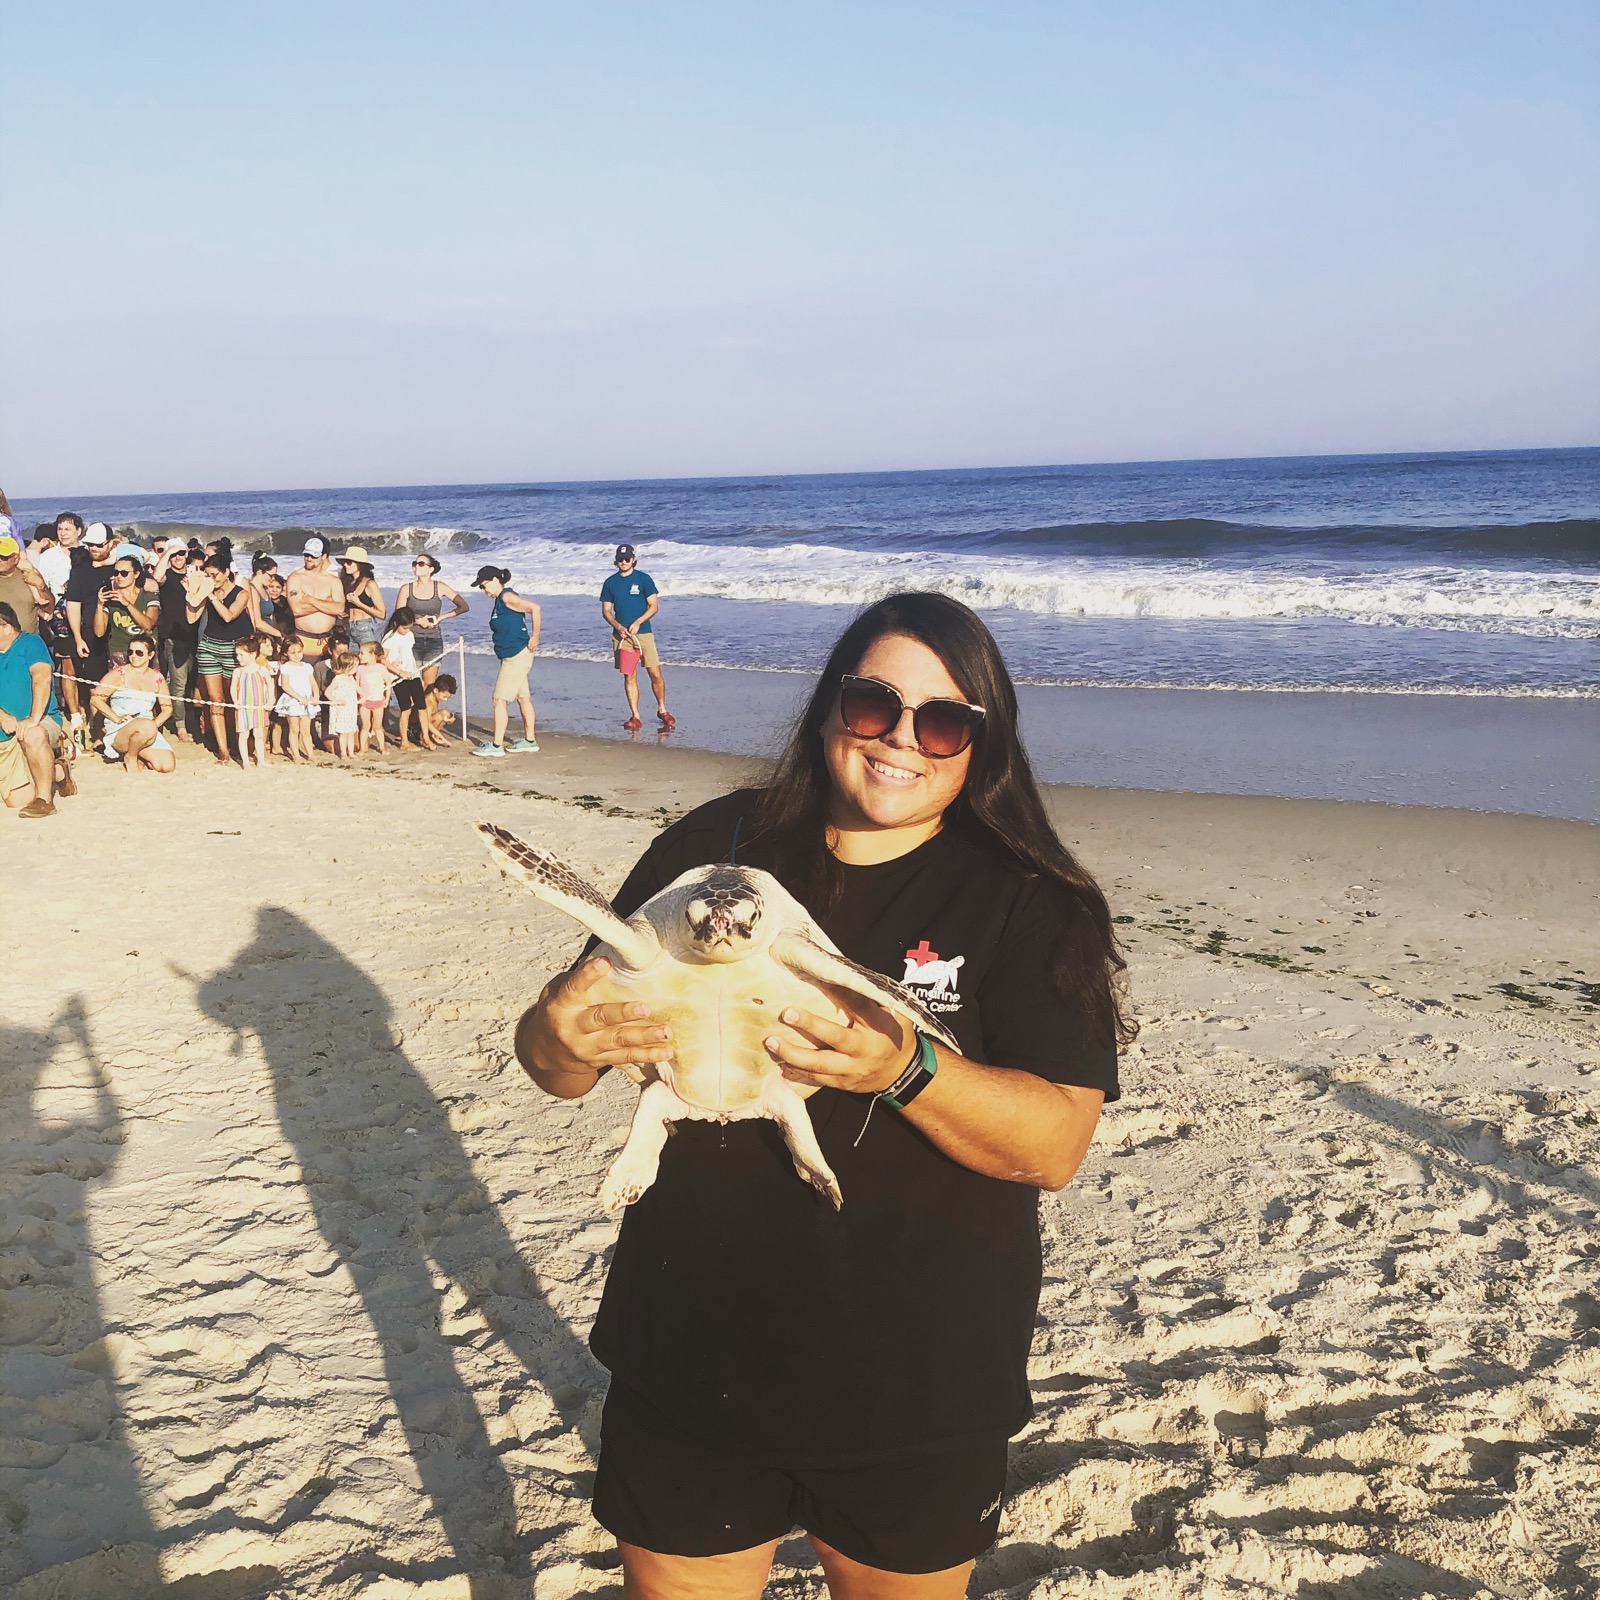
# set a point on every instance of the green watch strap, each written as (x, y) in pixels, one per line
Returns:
(918, 1075)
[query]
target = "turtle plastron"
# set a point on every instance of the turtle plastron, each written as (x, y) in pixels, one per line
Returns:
(719, 954)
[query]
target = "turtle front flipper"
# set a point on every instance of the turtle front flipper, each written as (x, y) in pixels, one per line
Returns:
(803, 955)
(558, 885)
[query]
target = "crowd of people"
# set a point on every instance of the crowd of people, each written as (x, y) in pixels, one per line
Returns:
(108, 646)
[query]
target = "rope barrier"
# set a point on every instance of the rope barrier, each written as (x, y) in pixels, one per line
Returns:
(93, 684)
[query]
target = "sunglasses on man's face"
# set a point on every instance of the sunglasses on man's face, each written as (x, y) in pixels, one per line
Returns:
(869, 709)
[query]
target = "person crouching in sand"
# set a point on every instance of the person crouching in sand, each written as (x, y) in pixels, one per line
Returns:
(135, 703)
(438, 716)
(250, 690)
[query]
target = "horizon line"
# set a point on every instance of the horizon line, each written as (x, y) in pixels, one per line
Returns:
(871, 472)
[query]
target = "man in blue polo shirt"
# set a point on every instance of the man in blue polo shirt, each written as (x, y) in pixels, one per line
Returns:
(30, 725)
(628, 601)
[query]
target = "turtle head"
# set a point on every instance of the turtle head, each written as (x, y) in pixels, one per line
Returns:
(722, 916)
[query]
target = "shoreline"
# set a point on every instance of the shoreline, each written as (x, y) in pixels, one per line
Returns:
(1497, 755)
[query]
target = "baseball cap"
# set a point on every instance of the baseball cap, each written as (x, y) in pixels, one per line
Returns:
(625, 553)
(9, 546)
(484, 572)
(97, 533)
(315, 546)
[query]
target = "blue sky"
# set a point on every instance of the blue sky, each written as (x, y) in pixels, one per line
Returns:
(294, 245)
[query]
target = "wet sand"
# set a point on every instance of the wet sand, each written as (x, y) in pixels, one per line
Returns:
(1539, 757)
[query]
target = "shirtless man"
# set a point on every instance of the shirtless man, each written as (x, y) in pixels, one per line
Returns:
(316, 597)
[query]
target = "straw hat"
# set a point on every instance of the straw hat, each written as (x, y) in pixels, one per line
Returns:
(358, 554)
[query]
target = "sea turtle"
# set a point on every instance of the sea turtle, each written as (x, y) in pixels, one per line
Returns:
(718, 955)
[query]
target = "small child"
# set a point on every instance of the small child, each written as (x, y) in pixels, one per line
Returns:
(372, 685)
(342, 696)
(400, 657)
(250, 689)
(438, 718)
(297, 702)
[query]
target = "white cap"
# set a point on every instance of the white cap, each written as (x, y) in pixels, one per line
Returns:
(315, 546)
(98, 533)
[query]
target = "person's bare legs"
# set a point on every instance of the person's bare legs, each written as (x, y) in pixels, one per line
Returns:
(525, 706)
(630, 687)
(502, 720)
(214, 694)
(40, 754)
(849, 1580)
(658, 687)
(132, 741)
(742, 1575)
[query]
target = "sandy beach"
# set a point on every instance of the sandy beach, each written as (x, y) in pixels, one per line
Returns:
(298, 1269)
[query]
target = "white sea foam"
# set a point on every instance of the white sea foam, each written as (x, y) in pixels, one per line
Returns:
(1527, 602)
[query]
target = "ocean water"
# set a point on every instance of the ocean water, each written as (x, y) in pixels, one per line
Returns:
(1464, 574)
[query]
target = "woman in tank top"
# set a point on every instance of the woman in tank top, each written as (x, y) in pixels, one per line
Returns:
(425, 595)
(222, 608)
(363, 599)
(135, 702)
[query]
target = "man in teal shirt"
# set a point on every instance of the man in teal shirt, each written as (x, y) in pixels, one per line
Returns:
(628, 601)
(30, 725)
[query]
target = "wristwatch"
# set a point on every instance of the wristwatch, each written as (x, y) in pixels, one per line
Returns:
(917, 1076)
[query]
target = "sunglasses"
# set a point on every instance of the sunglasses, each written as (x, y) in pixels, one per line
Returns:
(869, 709)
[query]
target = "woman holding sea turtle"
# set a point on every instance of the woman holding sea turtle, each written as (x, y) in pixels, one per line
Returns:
(856, 1371)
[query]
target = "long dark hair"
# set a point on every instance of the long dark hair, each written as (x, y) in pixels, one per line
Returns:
(999, 805)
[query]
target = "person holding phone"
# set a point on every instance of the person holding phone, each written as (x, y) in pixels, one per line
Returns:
(126, 609)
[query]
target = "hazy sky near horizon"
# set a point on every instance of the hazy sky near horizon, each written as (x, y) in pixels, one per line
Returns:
(296, 245)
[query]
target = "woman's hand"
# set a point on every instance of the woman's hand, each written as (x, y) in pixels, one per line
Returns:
(570, 1032)
(864, 1055)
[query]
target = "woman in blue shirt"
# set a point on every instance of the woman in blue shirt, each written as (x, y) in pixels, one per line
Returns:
(514, 630)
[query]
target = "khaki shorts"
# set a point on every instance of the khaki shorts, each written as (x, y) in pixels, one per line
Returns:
(14, 770)
(647, 648)
(511, 682)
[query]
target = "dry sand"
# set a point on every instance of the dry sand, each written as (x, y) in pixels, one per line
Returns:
(298, 1268)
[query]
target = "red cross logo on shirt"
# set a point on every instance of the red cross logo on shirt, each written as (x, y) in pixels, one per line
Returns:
(923, 954)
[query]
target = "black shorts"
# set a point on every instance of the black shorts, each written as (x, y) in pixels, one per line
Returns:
(410, 694)
(664, 1491)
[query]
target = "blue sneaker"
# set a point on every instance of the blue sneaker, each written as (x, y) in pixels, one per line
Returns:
(488, 748)
(519, 746)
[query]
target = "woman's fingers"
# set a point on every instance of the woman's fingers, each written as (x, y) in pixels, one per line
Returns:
(834, 1035)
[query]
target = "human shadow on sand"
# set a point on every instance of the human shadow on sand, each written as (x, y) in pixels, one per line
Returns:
(397, 1200)
(69, 1486)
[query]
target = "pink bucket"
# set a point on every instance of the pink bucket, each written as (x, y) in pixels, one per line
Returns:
(628, 661)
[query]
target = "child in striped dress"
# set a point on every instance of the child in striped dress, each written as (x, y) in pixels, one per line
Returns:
(253, 692)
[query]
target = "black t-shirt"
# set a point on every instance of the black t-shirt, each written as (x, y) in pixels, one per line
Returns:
(174, 623)
(748, 1310)
(84, 584)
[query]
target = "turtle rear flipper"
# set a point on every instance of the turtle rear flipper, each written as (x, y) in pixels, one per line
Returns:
(781, 1101)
